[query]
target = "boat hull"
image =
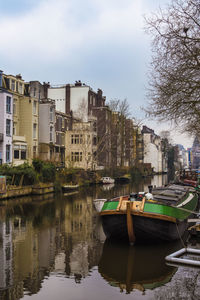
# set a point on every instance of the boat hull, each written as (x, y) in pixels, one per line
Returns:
(163, 218)
(145, 229)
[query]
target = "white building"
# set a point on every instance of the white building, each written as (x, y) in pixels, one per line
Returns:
(6, 125)
(152, 149)
(73, 98)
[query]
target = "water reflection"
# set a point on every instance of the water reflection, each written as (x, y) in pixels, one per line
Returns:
(39, 237)
(139, 267)
(45, 235)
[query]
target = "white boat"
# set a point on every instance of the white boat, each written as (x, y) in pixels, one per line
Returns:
(107, 180)
(98, 203)
(70, 187)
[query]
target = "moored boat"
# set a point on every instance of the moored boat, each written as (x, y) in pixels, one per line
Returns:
(107, 180)
(70, 187)
(159, 216)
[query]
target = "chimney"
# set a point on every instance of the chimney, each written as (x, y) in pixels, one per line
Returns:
(19, 76)
(45, 87)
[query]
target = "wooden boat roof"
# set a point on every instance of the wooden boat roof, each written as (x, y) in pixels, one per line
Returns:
(170, 193)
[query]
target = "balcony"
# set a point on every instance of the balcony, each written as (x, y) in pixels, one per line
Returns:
(1, 137)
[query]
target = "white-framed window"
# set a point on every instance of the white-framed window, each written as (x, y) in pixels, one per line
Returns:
(12, 84)
(7, 153)
(23, 151)
(16, 151)
(20, 152)
(8, 127)
(34, 130)
(8, 104)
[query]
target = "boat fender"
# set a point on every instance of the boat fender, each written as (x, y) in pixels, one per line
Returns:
(148, 196)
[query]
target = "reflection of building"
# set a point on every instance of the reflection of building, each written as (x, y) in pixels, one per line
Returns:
(6, 254)
(195, 153)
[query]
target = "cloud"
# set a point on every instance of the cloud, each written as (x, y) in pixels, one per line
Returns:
(54, 29)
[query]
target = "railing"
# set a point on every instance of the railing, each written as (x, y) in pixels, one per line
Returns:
(1, 137)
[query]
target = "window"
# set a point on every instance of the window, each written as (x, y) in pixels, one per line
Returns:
(76, 156)
(76, 139)
(63, 123)
(8, 104)
(20, 152)
(7, 153)
(51, 114)
(23, 151)
(63, 139)
(14, 128)
(20, 88)
(8, 129)
(34, 92)
(16, 151)
(34, 107)
(12, 85)
(34, 130)
(51, 134)
(34, 151)
(14, 106)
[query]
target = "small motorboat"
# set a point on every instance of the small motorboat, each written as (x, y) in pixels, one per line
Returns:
(107, 180)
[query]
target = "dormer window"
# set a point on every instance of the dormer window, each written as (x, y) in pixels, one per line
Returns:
(12, 85)
(20, 87)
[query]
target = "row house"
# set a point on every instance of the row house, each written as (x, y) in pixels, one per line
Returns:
(103, 128)
(47, 134)
(62, 126)
(78, 98)
(6, 124)
(70, 125)
(81, 145)
(25, 110)
(152, 149)
(53, 126)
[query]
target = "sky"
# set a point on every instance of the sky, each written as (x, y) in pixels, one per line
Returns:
(100, 42)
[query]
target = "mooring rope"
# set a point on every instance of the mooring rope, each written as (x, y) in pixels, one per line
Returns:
(184, 246)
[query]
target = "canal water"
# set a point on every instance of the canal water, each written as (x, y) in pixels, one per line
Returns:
(53, 247)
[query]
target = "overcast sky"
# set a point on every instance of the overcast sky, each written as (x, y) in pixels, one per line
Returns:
(100, 42)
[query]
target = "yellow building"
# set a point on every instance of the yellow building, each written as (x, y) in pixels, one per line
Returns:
(81, 145)
(25, 119)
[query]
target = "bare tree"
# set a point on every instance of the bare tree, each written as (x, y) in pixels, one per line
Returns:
(174, 90)
(120, 106)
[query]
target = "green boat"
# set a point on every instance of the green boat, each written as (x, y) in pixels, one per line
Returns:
(146, 217)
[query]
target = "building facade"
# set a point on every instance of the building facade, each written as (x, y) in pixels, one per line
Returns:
(6, 125)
